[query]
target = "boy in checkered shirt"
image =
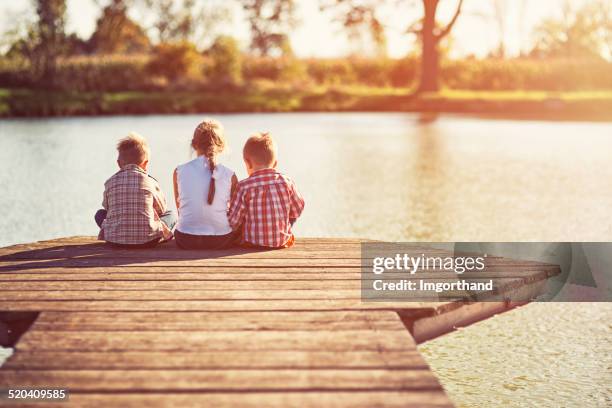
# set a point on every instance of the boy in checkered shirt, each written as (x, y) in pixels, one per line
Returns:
(134, 213)
(267, 203)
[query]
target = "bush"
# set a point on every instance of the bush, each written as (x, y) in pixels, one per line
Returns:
(404, 72)
(225, 66)
(15, 72)
(281, 69)
(527, 74)
(174, 60)
(331, 71)
(106, 73)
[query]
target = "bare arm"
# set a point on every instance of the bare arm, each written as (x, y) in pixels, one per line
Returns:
(176, 190)
(237, 210)
(234, 185)
(159, 201)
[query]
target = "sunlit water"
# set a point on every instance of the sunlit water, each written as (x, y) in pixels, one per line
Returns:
(542, 355)
(380, 176)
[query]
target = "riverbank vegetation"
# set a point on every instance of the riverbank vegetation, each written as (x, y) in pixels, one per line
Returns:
(125, 69)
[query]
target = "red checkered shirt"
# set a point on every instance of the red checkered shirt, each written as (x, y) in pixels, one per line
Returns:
(134, 202)
(264, 205)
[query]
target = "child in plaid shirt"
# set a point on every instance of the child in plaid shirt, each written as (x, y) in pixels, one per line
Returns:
(267, 203)
(134, 213)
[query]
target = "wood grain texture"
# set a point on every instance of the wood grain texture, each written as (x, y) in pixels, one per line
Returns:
(167, 327)
(247, 360)
(216, 340)
(315, 399)
(222, 380)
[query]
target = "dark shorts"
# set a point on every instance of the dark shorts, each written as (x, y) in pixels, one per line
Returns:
(188, 241)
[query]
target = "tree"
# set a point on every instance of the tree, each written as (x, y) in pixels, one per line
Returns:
(49, 39)
(226, 68)
(173, 60)
(18, 34)
(582, 33)
(499, 14)
(270, 21)
(186, 20)
(116, 33)
(427, 29)
(431, 35)
(354, 16)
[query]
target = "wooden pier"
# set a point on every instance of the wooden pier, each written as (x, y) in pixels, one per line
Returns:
(167, 327)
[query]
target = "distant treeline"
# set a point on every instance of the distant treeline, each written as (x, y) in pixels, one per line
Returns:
(186, 70)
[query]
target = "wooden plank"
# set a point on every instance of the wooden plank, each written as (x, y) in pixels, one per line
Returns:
(215, 340)
(226, 264)
(90, 239)
(492, 271)
(162, 360)
(215, 305)
(229, 278)
(234, 263)
(239, 294)
(65, 251)
(227, 321)
(230, 284)
(279, 380)
(225, 272)
(316, 399)
(179, 295)
(192, 285)
(103, 253)
(82, 276)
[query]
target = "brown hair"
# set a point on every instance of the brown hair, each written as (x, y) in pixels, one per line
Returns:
(260, 148)
(132, 149)
(209, 140)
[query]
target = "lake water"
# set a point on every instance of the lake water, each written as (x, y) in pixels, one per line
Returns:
(388, 177)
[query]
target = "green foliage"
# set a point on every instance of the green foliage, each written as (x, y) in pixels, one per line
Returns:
(185, 20)
(46, 40)
(226, 62)
(173, 60)
(116, 33)
(582, 33)
(270, 21)
(581, 106)
(108, 74)
(527, 74)
(331, 71)
(377, 72)
(225, 66)
(283, 69)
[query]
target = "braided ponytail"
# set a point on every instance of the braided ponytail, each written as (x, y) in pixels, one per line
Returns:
(208, 141)
(211, 186)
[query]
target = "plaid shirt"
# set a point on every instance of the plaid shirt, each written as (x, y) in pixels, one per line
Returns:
(134, 202)
(265, 204)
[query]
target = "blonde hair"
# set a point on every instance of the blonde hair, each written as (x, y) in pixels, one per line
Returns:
(260, 148)
(132, 149)
(209, 140)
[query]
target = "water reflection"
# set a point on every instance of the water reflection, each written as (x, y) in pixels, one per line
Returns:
(426, 181)
(379, 176)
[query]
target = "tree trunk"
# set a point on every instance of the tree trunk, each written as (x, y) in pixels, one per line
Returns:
(430, 58)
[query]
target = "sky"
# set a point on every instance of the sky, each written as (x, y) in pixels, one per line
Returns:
(317, 35)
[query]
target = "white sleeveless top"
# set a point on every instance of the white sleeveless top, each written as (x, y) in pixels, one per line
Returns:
(196, 216)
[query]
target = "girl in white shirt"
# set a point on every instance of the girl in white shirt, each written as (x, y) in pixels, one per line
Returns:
(202, 191)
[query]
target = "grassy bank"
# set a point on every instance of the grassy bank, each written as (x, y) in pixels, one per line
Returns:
(545, 105)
